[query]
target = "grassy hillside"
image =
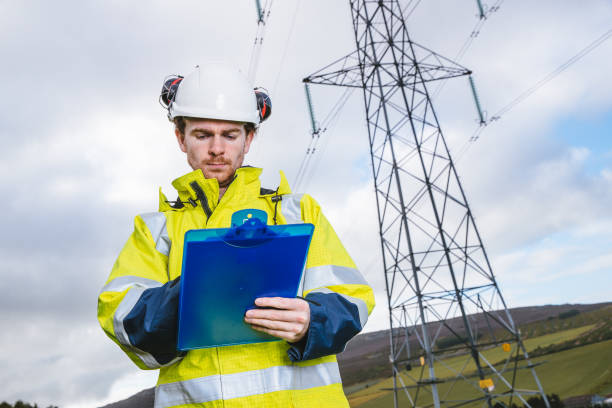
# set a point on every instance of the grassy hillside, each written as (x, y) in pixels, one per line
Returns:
(572, 362)
(367, 356)
(582, 370)
(494, 355)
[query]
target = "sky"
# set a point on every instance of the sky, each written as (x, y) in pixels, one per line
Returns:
(86, 147)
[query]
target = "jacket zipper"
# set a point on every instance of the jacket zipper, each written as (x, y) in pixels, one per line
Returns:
(202, 197)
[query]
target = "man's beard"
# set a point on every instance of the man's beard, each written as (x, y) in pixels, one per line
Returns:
(225, 183)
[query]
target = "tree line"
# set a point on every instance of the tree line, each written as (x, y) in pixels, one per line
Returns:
(21, 404)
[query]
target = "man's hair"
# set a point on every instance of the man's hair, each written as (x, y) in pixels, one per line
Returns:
(180, 123)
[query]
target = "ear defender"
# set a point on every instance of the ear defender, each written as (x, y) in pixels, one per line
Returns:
(264, 104)
(168, 92)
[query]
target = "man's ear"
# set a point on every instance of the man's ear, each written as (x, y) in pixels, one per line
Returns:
(247, 141)
(180, 137)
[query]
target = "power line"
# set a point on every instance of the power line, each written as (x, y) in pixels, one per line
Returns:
(263, 13)
(406, 15)
(553, 74)
(328, 123)
(468, 42)
(289, 36)
(476, 30)
(532, 89)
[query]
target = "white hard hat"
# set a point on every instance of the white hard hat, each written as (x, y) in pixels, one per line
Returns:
(215, 91)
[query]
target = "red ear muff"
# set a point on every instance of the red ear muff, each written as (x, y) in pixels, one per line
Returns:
(264, 104)
(168, 92)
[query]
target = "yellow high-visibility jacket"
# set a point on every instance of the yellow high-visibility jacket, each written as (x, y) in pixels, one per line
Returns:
(137, 307)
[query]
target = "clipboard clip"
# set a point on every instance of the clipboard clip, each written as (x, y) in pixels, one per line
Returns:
(247, 216)
(248, 225)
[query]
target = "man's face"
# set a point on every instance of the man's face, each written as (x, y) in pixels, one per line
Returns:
(215, 146)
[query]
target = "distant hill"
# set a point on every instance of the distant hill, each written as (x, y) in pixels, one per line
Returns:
(367, 355)
(369, 352)
(144, 399)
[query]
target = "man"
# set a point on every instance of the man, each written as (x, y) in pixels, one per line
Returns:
(216, 112)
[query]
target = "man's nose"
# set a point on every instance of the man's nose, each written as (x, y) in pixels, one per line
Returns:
(216, 147)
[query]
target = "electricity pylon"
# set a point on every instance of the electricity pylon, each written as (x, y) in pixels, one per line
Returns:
(452, 340)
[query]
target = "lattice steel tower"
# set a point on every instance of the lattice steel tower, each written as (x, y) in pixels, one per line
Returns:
(453, 342)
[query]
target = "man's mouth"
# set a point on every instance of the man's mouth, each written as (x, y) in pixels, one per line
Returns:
(216, 167)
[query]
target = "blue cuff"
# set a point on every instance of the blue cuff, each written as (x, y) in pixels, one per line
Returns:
(333, 322)
(151, 325)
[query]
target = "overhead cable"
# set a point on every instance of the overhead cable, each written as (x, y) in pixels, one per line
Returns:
(263, 13)
(328, 123)
(600, 40)
(468, 42)
(287, 42)
(549, 77)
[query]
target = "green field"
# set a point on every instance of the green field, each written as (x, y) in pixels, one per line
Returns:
(581, 370)
(451, 366)
(552, 325)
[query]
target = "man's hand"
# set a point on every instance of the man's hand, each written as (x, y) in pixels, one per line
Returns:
(289, 319)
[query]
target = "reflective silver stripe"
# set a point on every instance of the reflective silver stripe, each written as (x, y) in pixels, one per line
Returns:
(228, 386)
(174, 360)
(156, 223)
(123, 282)
(361, 305)
(193, 391)
(124, 308)
(300, 291)
(328, 275)
(291, 209)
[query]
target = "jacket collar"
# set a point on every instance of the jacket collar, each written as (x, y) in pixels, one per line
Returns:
(244, 186)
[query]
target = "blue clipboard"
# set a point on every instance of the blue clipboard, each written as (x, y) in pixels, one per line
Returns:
(226, 269)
